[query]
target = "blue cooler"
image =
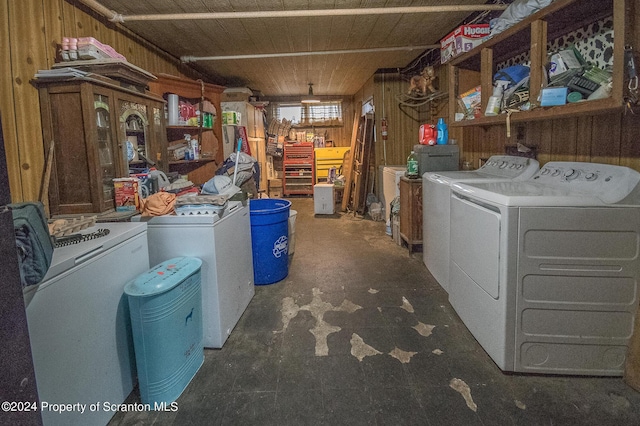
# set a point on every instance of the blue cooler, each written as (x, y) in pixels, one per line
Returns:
(166, 319)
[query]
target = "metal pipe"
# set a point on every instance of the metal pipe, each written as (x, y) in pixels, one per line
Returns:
(112, 15)
(308, 13)
(290, 54)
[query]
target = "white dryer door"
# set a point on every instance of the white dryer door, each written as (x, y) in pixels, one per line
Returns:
(475, 243)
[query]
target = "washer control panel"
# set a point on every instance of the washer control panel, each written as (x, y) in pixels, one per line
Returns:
(606, 181)
(510, 166)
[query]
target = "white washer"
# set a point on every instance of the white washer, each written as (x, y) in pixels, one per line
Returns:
(224, 246)
(79, 324)
(544, 272)
(390, 183)
(436, 193)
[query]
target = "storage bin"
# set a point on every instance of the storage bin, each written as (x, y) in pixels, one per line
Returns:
(269, 239)
(165, 305)
(292, 231)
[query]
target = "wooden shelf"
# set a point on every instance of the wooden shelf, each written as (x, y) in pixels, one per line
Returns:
(532, 35)
(595, 107)
(203, 169)
(561, 17)
(189, 128)
(195, 162)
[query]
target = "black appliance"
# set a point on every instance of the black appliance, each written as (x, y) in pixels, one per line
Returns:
(16, 365)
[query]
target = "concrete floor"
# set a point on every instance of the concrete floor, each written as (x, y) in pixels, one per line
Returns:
(359, 333)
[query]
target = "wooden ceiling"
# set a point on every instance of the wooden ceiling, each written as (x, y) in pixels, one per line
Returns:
(352, 46)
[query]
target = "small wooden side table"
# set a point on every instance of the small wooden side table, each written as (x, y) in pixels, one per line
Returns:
(411, 211)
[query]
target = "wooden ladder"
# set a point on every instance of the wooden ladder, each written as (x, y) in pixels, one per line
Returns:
(359, 177)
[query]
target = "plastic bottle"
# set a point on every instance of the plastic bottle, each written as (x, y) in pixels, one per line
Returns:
(195, 149)
(412, 165)
(443, 132)
(493, 106)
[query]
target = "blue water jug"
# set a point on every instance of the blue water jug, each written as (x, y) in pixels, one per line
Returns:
(443, 133)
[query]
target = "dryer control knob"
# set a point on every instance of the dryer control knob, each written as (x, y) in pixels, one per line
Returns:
(591, 176)
(503, 164)
(545, 171)
(571, 174)
(556, 172)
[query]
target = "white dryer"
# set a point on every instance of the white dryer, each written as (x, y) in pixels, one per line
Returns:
(436, 193)
(544, 272)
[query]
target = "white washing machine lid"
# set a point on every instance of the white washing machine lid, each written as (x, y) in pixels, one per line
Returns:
(447, 178)
(66, 257)
(523, 194)
(191, 219)
(394, 169)
(562, 184)
(497, 167)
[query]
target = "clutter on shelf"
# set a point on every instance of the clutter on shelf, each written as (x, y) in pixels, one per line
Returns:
(86, 48)
(516, 12)
(462, 39)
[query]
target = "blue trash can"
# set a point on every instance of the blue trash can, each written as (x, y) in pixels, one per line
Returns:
(165, 305)
(269, 239)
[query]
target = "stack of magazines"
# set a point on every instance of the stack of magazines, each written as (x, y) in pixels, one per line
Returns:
(67, 72)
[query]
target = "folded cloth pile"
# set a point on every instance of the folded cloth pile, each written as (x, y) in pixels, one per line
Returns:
(178, 185)
(188, 199)
(158, 204)
(220, 185)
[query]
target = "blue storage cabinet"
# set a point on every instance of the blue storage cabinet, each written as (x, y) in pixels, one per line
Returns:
(166, 320)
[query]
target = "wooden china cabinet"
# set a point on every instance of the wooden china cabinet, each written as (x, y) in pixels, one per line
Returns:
(100, 130)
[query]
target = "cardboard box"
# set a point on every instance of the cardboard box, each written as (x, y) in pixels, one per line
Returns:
(127, 196)
(176, 151)
(236, 94)
(462, 39)
(563, 61)
(552, 96)
(471, 100)
(275, 183)
(275, 192)
(231, 118)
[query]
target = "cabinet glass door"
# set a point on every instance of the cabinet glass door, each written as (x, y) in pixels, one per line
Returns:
(134, 124)
(105, 144)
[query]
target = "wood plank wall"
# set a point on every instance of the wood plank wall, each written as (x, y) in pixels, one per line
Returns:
(387, 90)
(341, 136)
(609, 139)
(30, 32)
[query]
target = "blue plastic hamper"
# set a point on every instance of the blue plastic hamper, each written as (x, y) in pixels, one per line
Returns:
(269, 239)
(166, 319)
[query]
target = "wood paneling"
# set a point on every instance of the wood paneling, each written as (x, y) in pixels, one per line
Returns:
(7, 101)
(608, 139)
(30, 33)
(26, 22)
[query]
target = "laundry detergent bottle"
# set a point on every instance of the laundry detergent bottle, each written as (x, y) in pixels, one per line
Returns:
(442, 137)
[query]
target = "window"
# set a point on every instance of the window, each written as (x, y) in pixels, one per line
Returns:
(327, 113)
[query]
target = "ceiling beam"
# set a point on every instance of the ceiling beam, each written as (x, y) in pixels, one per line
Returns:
(289, 54)
(116, 17)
